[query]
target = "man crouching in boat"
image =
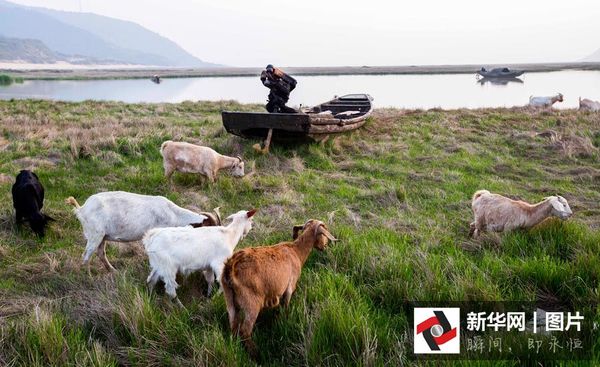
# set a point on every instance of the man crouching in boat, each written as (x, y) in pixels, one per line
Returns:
(280, 85)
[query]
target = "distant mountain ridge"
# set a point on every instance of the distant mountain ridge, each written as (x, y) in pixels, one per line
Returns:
(94, 37)
(36, 52)
(26, 50)
(595, 57)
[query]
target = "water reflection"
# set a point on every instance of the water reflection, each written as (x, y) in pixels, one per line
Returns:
(403, 91)
(499, 81)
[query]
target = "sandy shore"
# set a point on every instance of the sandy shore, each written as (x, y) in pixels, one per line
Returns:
(54, 71)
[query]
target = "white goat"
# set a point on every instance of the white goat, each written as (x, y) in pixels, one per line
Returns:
(497, 213)
(545, 101)
(124, 217)
(589, 105)
(190, 158)
(185, 250)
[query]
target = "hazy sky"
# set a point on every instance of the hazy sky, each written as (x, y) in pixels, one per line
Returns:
(376, 32)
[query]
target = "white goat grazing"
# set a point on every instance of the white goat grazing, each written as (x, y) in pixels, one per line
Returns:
(497, 213)
(545, 101)
(589, 105)
(190, 158)
(185, 250)
(124, 217)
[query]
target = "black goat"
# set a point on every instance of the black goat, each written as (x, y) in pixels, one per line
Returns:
(28, 200)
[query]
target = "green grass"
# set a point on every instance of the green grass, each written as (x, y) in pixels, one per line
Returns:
(396, 193)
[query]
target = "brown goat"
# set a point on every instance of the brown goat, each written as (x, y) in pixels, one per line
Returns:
(263, 277)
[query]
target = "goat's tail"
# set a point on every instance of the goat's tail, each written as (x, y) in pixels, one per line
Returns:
(479, 193)
(71, 201)
(226, 277)
(579, 101)
(227, 285)
(147, 240)
(163, 145)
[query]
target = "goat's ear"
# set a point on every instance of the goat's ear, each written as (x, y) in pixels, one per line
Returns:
(325, 232)
(556, 204)
(296, 231)
(251, 213)
(196, 225)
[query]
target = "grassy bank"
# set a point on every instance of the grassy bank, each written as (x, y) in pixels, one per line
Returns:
(397, 194)
(6, 79)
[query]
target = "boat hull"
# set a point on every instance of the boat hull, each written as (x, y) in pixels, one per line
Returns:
(257, 124)
(490, 74)
(314, 124)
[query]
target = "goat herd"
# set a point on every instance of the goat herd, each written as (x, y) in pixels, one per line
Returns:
(181, 241)
(178, 240)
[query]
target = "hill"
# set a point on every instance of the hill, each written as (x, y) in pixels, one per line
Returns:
(595, 57)
(93, 36)
(130, 36)
(26, 50)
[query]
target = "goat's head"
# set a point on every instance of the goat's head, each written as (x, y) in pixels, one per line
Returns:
(560, 207)
(244, 216)
(559, 97)
(38, 223)
(322, 235)
(237, 169)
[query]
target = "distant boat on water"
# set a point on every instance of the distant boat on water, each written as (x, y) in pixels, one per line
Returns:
(500, 73)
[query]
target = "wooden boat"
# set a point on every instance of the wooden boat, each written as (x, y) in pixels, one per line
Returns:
(339, 115)
(500, 73)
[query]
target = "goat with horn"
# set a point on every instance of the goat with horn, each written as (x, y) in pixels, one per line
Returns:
(264, 277)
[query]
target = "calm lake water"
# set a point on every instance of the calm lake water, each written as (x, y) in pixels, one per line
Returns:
(403, 91)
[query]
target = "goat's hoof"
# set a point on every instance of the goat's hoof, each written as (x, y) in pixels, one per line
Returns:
(88, 268)
(251, 349)
(179, 304)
